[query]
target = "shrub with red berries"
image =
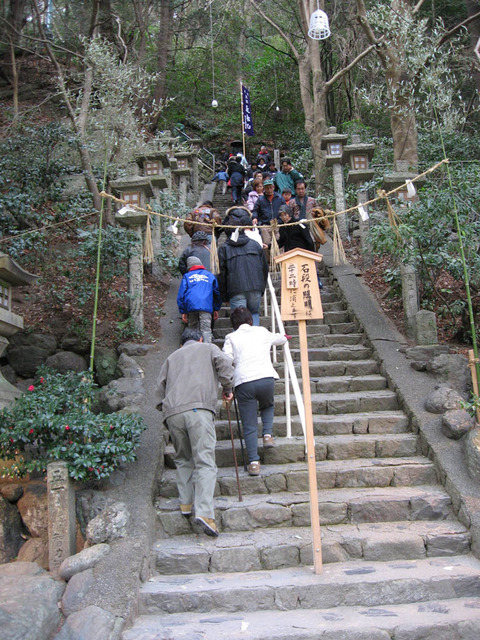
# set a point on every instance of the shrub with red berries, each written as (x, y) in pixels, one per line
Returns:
(54, 420)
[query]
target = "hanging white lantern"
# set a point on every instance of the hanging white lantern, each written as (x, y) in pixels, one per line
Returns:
(319, 28)
(214, 103)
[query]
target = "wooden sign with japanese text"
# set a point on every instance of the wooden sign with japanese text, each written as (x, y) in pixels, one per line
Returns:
(300, 291)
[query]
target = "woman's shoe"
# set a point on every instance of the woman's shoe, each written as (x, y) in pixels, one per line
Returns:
(268, 441)
(254, 468)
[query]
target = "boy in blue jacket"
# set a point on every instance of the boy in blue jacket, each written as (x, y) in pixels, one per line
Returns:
(199, 298)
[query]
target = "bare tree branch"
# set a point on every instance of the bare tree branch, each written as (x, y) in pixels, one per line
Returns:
(453, 31)
(417, 7)
(349, 66)
(278, 29)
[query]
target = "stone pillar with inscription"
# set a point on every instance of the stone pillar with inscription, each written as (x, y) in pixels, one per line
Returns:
(61, 514)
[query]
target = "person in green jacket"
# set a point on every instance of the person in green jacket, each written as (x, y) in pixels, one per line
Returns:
(287, 177)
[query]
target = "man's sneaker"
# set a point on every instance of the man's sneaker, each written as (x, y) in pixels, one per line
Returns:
(207, 525)
(186, 509)
(254, 468)
(268, 441)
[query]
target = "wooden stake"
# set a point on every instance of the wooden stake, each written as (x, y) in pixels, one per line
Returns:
(473, 369)
(312, 467)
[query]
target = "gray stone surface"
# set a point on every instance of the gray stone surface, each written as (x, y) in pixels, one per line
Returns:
(128, 367)
(452, 369)
(471, 449)
(11, 492)
(65, 361)
(105, 363)
(121, 393)
(27, 351)
(133, 349)
(10, 531)
(29, 599)
(77, 590)
(35, 550)
(443, 399)
(109, 525)
(456, 423)
(425, 327)
(33, 508)
(85, 559)
(91, 622)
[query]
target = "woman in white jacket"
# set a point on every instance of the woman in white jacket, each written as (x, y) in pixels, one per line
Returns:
(254, 379)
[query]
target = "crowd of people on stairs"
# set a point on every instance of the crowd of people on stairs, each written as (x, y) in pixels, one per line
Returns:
(265, 202)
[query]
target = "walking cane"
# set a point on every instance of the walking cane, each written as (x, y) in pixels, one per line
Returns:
(240, 498)
(240, 434)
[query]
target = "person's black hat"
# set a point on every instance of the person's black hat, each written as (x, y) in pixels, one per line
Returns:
(200, 236)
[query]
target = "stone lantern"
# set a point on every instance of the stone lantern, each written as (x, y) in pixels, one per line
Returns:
(135, 191)
(153, 166)
(11, 275)
(183, 172)
(411, 305)
(358, 155)
(333, 143)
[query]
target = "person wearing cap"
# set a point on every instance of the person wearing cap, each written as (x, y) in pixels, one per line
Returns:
(200, 248)
(287, 177)
(198, 298)
(266, 209)
(187, 395)
(243, 267)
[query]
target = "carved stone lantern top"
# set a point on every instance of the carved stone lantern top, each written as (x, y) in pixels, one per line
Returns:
(359, 155)
(333, 142)
(153, 165)
(135, 190)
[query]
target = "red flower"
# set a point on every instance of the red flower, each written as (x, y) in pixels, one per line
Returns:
(31, 387)
(12, 440)
(111, 426)
(67, 428)
(31, 431)
(90, 468)
(42, 380)
(70, 442)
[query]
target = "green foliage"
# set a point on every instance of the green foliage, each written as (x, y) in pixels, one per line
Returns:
(53, 420)
(31, 174)
(429, 240)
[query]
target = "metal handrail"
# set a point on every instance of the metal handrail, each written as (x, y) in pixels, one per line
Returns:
(290, 373)
(185, 136)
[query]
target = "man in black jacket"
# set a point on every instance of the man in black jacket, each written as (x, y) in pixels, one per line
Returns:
(243, 270)
(266, 209)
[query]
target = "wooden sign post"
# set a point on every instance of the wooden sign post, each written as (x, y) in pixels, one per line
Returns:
(301, 301)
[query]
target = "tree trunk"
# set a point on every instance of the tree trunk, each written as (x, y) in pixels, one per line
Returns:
(473, 6)
(163, 47)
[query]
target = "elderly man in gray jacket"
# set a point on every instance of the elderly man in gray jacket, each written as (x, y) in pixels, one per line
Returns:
(187, 394)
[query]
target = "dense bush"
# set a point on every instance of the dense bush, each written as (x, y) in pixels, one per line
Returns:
(54, 420)
(429, 240)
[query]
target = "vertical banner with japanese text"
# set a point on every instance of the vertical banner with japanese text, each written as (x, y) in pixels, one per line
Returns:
(247, 112)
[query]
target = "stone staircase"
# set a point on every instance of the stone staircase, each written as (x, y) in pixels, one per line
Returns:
(397, 563)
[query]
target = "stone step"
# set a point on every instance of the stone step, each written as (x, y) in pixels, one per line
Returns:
(341, 352)
(335, 403)
(336, 447)
(270, 549)
(457, 619)
(331, 474)
(336, 506)
(339, 384)
(327, 368)
(321, 339)
(358, 583)
(346, 423)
